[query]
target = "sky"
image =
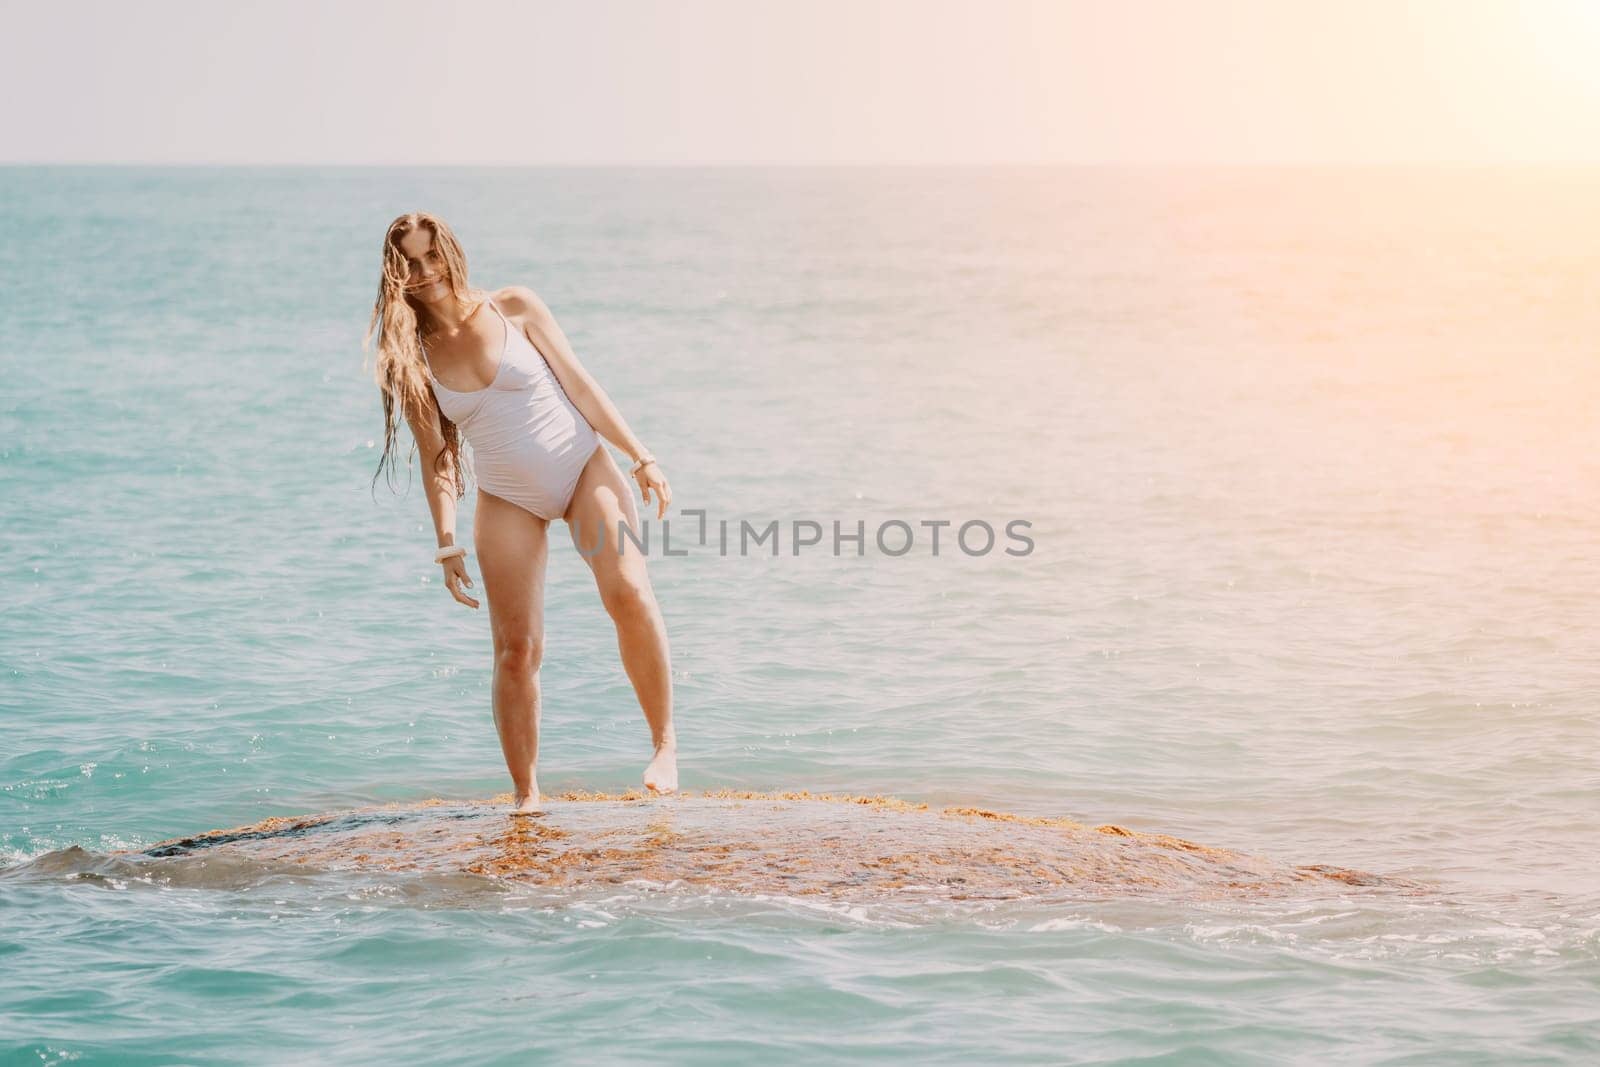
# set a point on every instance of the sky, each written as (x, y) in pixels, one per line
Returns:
(705, 82)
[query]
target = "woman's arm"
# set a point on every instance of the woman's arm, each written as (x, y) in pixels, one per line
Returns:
(441, 493)
(581, 388)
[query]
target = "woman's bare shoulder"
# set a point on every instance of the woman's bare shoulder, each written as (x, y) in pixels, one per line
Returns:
(519, 301)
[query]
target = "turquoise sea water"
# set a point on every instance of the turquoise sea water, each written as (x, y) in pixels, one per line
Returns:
(1309, 458)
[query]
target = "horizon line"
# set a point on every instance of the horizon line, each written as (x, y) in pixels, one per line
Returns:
(799, 165)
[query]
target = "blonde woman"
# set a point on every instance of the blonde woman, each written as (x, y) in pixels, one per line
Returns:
(495, 369)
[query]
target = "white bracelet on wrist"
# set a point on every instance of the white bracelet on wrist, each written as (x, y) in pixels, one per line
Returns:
(448, 551)
(645, 459)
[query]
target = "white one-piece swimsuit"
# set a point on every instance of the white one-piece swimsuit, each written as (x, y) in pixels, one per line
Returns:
(529, 441)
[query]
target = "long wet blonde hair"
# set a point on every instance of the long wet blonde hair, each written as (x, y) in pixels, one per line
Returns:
(399, 368)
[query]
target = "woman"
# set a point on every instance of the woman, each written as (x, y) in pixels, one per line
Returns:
(497, 370)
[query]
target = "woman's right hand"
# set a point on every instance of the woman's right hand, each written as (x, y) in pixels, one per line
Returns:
(455, 577)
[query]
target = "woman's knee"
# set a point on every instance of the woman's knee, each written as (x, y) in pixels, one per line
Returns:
(627, 595)
(519, 653)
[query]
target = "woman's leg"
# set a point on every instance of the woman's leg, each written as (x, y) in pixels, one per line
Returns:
(603, 498)
(513, 545)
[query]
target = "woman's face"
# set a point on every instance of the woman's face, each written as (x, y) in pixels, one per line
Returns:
(425, 279)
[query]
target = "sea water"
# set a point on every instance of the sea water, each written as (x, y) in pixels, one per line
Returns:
(1307, 463)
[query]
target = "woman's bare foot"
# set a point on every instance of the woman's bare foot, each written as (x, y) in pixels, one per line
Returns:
(662, 774)
(526, 803)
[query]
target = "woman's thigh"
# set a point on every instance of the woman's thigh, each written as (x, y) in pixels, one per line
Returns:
(513, 546)
(604, 498)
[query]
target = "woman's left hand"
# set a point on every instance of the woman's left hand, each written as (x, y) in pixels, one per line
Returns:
(650, 476)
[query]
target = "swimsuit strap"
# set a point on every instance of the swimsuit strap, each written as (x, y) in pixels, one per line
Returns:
(490, 301)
